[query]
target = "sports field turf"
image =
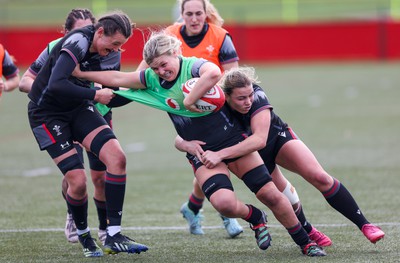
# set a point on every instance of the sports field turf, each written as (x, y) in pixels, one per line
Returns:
(347, 113)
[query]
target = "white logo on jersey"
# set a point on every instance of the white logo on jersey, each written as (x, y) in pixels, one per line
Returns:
(64, 146)
(210, 49)
(172, 103)
(90, 108)
(283, 134)
(85, 64)
(57, 128)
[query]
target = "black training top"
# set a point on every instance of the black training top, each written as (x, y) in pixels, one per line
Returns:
(55, 88)
(260, 103)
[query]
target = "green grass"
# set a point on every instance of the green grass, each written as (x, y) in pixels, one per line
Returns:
(348, 114)
(144, 12)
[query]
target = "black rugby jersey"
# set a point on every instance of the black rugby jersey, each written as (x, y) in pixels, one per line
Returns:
(76, 44)
(218, 130)
(260, 102)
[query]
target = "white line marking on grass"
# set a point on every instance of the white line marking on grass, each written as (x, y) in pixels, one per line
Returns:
(135, 147)
(37, 172)
(146, 228)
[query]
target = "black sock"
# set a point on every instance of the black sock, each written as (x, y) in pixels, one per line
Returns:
(340, 199)
(79, 210)
(195, 204)
(302, 218)
(115, 193)
(299, 235)
(101, 213)
(255, 216)
(68, 210)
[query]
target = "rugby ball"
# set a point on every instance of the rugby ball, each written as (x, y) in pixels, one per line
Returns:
(213, 100)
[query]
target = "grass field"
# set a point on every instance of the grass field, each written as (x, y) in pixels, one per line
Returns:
(348, 114)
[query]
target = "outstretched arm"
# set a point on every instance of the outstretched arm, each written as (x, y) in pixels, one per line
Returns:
(112, 78)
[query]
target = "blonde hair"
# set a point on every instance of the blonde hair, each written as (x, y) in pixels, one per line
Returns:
(160, 43)
(237, 78)
(212, 14)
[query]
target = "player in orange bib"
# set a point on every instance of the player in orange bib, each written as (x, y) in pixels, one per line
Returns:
(9, 71)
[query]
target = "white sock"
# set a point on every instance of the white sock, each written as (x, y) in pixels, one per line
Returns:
(112, 230)
(81, 232)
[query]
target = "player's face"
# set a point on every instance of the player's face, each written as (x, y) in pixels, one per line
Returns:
(166, 66)
(241, 99)
(104, 45)
(194, 16)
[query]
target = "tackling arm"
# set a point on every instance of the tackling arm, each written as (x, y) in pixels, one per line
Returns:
(260, 124)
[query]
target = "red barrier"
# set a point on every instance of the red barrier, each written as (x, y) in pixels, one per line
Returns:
(349, 40)
(323, 41)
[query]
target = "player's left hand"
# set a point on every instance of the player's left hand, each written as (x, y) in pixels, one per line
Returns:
(191, 107)
(210, 159)
(194, 148)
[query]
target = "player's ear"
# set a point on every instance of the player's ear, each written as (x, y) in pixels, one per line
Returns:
(100, 31)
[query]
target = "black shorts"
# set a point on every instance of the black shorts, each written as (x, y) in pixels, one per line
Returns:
(196, 163)
(276, 139)
(62, 128)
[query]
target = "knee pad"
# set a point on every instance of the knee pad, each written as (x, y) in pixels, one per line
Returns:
(216, 182)
(95, 163)
(291, 194)
(100, 139)
(70, 163)
(258, 177)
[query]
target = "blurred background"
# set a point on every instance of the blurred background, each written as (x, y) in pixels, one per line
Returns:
(262, 30)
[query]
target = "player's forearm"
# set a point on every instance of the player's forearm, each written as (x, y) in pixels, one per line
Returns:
(251, 144)
(180, 144)
(25, 84)
(11, 84)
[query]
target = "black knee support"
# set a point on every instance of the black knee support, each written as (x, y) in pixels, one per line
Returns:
(70, 163)
(100, 139)
(216, 182)
(95, 163)
(258, 177)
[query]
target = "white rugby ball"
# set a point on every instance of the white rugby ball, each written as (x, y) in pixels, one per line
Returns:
(213, 100)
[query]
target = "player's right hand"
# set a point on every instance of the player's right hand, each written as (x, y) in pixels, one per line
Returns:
(104, 96)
